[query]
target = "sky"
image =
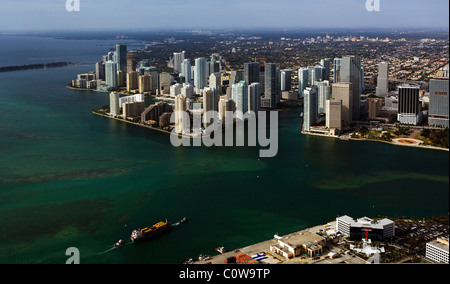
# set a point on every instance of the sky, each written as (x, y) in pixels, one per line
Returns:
(30, 15)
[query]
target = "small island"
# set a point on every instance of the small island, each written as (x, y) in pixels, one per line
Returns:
(35, 66)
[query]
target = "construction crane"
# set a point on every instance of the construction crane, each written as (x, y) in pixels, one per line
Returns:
(261, 60)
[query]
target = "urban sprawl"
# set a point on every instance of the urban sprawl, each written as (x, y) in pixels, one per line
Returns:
(351, 87)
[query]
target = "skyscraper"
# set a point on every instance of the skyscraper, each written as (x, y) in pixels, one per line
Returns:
(132, 81)
(186, 70)
(310, 108)
(271, 88)
(210, 103)
(317, 75)
(111, 74)
(178, 58)
(438, 108)
(239, 95)
(326, 64)
(323, 95)
(121, 56)
(337, 70)
(286, 84)
(114, 104)
(251, 72)
(383, 80)
(344, 93)
(303, 79)
(225, 107)
(200, 74)
(254, 98)
(408, 104)
(333, 112)
(351, 73)
(181, 119)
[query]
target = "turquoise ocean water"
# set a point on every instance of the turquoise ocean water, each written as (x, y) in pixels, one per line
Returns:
(69, 178)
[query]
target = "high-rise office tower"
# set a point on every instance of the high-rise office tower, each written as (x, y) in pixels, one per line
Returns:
(303, 79)
(438, 108)
(337, 70)
(114, 104)
(120, 79)
(254, 97)
(186, 70)
(100, 70)
(271, 84)
(351, 73)
(213, 67)
(239, 95)
(181, 120)
(111, 74)
(323, 95)
(215, 82)
(326, 64)
(286, 84)
(310, 108)
(317, 75)
(251, 72)
(344, 93)
(121, 57)
(333, 113)
(383, 80)
(363, 84)
(200, 74)
(408, 104)
(178, 58)
(236, 77)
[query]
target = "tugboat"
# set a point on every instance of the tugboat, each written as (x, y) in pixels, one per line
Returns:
(143, 234)
(119, 243)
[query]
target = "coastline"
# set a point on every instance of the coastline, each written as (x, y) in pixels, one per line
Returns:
(133, 123)
(375, 140)
(401, 144)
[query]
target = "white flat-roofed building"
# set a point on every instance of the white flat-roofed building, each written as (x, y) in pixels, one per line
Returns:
(365, 228)
(437, 250)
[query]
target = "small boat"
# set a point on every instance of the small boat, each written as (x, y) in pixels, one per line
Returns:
(184, 220)
(119, 243)
(221, 250)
